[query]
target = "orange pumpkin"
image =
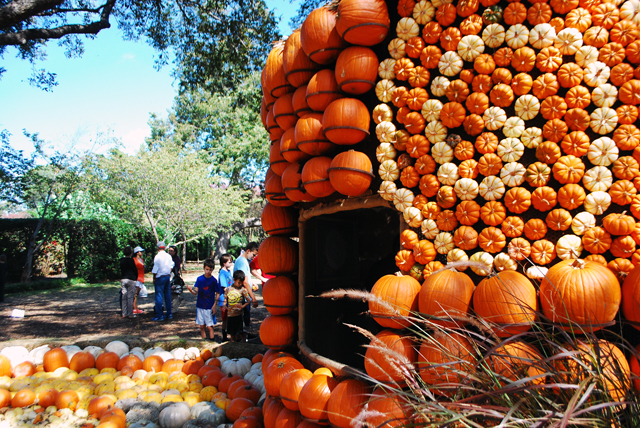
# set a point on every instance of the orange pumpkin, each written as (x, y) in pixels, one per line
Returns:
(398, 297)
(445, 297)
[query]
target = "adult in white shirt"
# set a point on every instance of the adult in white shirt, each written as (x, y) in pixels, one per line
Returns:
(162, 266)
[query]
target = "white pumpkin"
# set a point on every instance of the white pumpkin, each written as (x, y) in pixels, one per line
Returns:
(407, 28)
(443, 242)
(385, 151)
(436, 133)
(604, 95)
(587, 55)
(630, 11)
(598, 178)
(431, 110)
(387, 190)
(513, 127)
(512, 174)
(384, 90)
(527, 107)
(423, 12)
(537, 272)
(429, 228)
(388, 170)
(17, 354)
(386, 69)
(71, 350)
(597, 203)
(450, 64)
(412, 216)
(482, 257)
(152, 351)
(603, 151)
(542, 36)
(37, 354)
(439, 85)
(165, 355)
(457, 255)
(503, 261)
(597, 73)
(397, 48)
(531, 137)
(403, 199)
(470, 47)
(117, 346)
(493, 35)
(491, 188)
(517, 36)
(510, 149)
(568, 41)
(386, 132)
(448, 173)
(494, 117)
(191, 353)
(179, 353)
(382, 113)
(569, 247)
(442, 152)
(175, 415)
(466, 189)
(239, 366)
(582, 222)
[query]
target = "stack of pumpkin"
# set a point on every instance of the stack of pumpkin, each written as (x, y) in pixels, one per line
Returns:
(279, 257)
(73, 387)
(310, 107)
(508, 132)
(299, 398)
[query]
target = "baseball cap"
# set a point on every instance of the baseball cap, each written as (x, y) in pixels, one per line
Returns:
(161, 244)
(138, 249)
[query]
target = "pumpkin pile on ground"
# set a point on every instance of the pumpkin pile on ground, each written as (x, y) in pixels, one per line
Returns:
(118, 386)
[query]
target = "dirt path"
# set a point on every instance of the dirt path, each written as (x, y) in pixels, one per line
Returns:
(92, 316)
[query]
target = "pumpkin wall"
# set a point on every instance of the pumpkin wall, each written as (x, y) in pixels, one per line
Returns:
(501, 132)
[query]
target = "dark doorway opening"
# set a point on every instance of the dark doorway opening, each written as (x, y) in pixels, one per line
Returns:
(345, 250)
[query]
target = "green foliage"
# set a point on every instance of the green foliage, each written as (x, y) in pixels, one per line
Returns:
(93, 248)
(43, 285)
(13, 166)
(225, 128)
(306, 6)
(216, 42)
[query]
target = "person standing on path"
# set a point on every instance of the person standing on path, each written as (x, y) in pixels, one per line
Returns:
(128, 287)
(242, 263)
(162, 266)
(225, 280)
(257, 272)
(141, 290)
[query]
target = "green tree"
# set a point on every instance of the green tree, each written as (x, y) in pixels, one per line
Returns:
(168, 189)
(225, 128)
(218, 42)
(13, 166)
(305, 7)
(46, 189)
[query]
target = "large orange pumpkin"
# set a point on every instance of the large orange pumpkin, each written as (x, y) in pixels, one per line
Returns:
(297, 66)
(23, 398)
(356, 70)
(446, 360)
(346, 401)
(276, 371)
(279, 220)
(55, 358)
(5, 366)
(314, 398)
(385, 356)
(288, 419)
(278, 255)
(580, 294)
(319, 38)
(291, 385)
(27, 368)
(446, 296)
(278, 331)
(346, 121)
(315, 177)
(130, 360)
(292, 184)
(386, 410)
(397, 297)
(280, 295)
(107, 360)
(631, 297)
(350, 173)
(507, 299)
(516, 360)
(153, 363)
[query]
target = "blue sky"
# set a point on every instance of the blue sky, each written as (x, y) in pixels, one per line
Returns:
(112, 89)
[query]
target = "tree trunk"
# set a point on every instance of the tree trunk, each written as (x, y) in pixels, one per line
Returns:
(224, 237)
(31, 249)
(184, 250)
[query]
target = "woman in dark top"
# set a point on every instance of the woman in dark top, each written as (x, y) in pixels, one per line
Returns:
(177, 263)
(129, 273)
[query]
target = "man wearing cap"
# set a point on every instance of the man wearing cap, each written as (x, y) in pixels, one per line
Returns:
(162, 265)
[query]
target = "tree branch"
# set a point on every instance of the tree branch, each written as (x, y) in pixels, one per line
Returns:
(22, 37)
(20, 10)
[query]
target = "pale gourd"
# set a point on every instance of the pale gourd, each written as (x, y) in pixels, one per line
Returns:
(386, 69)
(385, 151)
(424, 12)
(586, 55)
(448, 173)
(175, 415)
(388, 170)
(517, 36)
(604, 95)
(510, 149)
(482, 257)
(527, 107)
(118, 347)
(466, 189)
(431, 110)
(384, 90)
(569, 247)
(403, 199)
(457, 255)
(470, 47)
(512, 174)
(412, 216)
(429, 228)
(603, 151)
(597, 73)
(450, 63)
(582, 222)
(397, 48)
(494, 118)
(568, 41)
(439, 85)
(443, 242)
(387, 190)
(491, 188)
(531, 137)
(386, 132)
(407, 28)
(598, 178)
(603, 120)
(513, 127)
(503, 261)
(382, 113)
(597, 203)
(542, 36)
(236, 366)
(493, 35)
(537, 272)
(441, 152)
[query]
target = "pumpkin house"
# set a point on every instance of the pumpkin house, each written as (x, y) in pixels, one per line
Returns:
(408, 135)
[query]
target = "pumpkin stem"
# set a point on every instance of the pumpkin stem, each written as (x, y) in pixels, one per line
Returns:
(578, 264)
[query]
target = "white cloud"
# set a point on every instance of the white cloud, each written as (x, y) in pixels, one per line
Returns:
(128, 57)
(134, 138)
